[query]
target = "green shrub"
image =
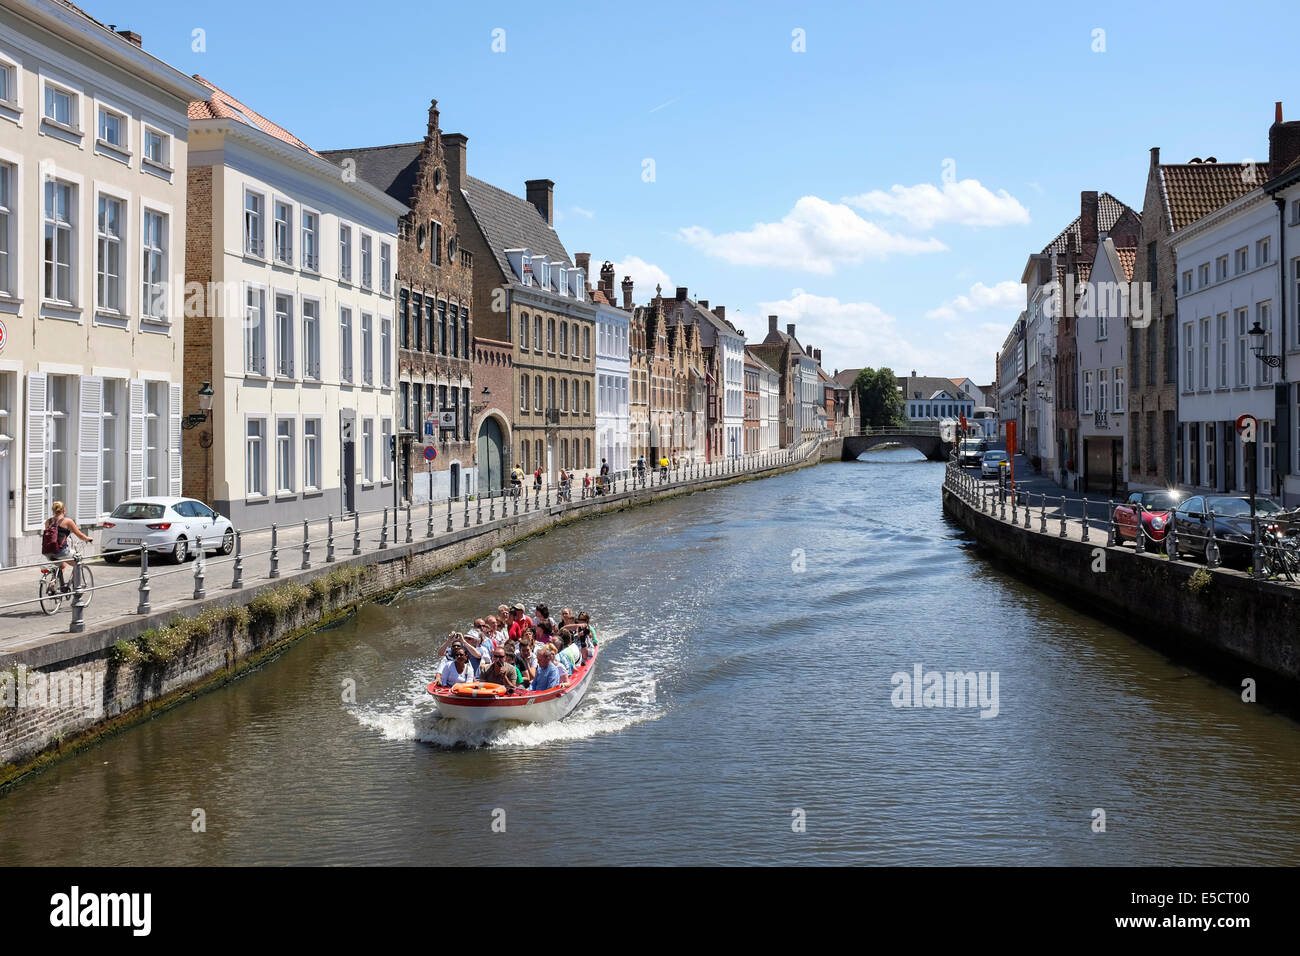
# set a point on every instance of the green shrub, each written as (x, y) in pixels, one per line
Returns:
(279, 603)
(157, 645)
(1199, 581)
(127, 652)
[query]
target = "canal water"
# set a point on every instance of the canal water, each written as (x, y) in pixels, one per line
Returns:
(744, 712)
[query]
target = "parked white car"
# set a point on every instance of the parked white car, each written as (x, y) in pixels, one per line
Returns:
(171, 525)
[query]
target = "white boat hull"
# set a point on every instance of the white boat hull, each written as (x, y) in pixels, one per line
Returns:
(535, 707)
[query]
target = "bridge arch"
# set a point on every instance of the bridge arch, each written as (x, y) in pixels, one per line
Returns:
(924, 438)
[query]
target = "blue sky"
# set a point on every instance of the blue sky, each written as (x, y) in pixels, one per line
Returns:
(879, 188)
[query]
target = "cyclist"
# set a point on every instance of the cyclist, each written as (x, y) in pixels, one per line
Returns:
(54, 541)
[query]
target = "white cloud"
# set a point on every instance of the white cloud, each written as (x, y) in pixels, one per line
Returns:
(858, 334)
(1003, 296)
(814, 236)
(965, 202)
(645, 276)
(584, 213)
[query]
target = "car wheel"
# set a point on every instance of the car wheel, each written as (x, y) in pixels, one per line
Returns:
(180, 551)
(228, 541)
(112, 557)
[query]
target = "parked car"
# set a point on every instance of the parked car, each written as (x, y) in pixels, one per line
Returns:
(991, 463)
(1157, 511)
(971, 450)
(1232, 528)
(171, 525)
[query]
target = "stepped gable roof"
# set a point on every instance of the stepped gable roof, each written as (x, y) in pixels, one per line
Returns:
(221, 105)
(1109, 209)
(392, 169)
(1194, 190)
(510, 222)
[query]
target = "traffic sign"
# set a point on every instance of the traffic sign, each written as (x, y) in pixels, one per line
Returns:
(4, 336)
(430, 453)
(1246, 426)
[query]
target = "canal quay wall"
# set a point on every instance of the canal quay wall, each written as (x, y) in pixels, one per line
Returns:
(1225, 622)
(59, 694)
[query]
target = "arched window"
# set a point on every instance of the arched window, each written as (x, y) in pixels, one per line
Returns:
(540, 461)
(550, 336)
(586, 343)
(523, 330)
(564, 453)
(586, 396)
(523, 457)
(523, 393)
(564, 338)
(575, 401)
(587, 443)
(564, 394)
(537, 394)
(550, 393)
(537, 333)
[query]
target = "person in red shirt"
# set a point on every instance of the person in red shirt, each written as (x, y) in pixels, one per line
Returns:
(519, 621)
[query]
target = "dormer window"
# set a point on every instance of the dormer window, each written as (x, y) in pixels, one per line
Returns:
(541, 269)
(521, 264)
(577, 283)
(560, 279)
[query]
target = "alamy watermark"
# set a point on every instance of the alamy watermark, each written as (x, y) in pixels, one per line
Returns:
(79, 689)
(1091, 300)
(960, 689)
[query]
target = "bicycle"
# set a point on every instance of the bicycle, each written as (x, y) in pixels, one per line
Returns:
(1280, 556)
(53, 596)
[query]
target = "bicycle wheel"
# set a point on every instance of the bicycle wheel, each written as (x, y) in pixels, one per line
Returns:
(50, 594)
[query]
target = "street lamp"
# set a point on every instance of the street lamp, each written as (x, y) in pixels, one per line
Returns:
(205, 407)
(1259, 334)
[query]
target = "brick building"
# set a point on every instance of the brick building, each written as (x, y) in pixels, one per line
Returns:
(435, 325)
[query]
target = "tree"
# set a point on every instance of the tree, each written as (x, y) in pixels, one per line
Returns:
(879, 398)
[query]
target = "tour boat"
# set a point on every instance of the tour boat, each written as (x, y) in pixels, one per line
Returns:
(529, 706)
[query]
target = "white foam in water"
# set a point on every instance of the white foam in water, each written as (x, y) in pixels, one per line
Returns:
(613, 703)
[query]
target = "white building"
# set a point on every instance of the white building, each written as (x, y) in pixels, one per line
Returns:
(301, 354)
(1101, 337)
(769, 405)
(613, 372)
(1227, 267)
(92, 230)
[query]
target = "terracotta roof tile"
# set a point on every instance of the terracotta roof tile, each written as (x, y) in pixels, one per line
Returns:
(1194, 190)
(221, 105)
(1109, 209)
(1127, 259)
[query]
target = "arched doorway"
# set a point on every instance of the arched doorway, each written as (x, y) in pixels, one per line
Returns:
(490, 456)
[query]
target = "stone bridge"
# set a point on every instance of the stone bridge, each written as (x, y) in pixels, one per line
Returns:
(925, 437)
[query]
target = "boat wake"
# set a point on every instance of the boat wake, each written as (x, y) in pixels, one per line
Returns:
(612, 704)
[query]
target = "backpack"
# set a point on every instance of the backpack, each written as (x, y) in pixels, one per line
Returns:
(50, 538)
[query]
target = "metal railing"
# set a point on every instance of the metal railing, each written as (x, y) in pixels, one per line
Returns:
(296, 547)
(1271, 550)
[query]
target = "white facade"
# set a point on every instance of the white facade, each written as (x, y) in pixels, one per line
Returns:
(92, 231)
(304, 354)
(733, 381)
(613, 377)
(811, 395)
(1227, 281)
(769, 408)
(1101, 337)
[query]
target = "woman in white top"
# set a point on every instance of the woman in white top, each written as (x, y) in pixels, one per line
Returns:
(455, 671)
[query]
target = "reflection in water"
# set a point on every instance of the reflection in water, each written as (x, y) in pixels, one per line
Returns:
(750, 638)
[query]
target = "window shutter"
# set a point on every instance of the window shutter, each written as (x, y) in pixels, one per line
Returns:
(36, 438)
(174, 441)
(90, 442)
(135, 439)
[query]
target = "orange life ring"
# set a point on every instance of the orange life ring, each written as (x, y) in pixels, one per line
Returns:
(479, 688)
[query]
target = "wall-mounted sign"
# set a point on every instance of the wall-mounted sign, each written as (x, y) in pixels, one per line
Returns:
(4, 336)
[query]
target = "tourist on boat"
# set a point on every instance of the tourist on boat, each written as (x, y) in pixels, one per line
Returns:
(569, 656)
(474, 638)
(566, 617)
(500, 671)
(542, 613)
(519, 620)
(495, 632)
(457, 670)
(526, 659)
(547, 674)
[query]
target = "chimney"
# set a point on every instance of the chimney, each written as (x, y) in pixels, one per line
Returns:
(789, 330)
(681, 293)
(720, 311)
(1283, 143)
(771, 324)
(453, 152)
(541, 193)
(583, 261)
(432, 129)
(627, 293)
(1088, 221)
(607, 281)
(817, 354)
(130, 36)
(1155, 156)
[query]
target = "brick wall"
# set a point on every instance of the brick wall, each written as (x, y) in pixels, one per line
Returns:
(196, 461)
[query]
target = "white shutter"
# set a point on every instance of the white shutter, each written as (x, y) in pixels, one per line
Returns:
(90, 444)
(36, 437)
(174, 441)
(135, 439)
